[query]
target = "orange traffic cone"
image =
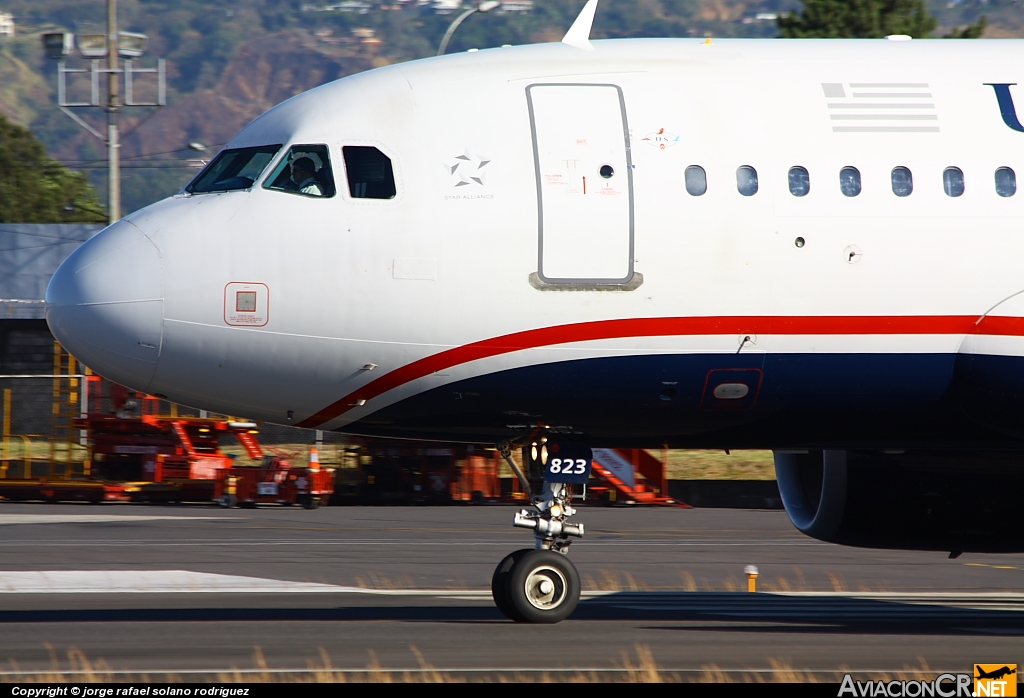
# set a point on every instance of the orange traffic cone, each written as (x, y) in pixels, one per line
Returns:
(314, 459)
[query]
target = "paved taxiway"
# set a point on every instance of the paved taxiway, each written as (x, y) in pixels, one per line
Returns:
(169, 589)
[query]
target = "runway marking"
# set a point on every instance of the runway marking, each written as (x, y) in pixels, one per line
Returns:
(185, 581)
(8, 519)
(153, 582)
(995, 567)
(793, 603)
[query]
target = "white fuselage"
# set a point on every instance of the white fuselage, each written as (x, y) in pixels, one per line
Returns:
(489, 235)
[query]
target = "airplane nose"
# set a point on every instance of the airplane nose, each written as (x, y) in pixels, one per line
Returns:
(105, 305)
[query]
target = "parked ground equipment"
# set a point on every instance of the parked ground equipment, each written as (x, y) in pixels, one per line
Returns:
(275, 482)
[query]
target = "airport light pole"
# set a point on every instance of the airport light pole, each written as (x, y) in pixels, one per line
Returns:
(113, 45)
(482, 7)
(113, 111)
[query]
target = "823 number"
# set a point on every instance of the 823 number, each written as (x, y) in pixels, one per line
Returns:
(568, 466)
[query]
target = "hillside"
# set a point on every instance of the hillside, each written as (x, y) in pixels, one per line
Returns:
(228, 62)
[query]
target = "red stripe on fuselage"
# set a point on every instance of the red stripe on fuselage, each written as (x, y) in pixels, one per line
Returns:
(670, 326)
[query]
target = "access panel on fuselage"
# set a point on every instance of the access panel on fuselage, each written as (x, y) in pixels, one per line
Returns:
(584, 183)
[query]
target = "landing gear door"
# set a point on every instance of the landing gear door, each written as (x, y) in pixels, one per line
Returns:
(584, 183)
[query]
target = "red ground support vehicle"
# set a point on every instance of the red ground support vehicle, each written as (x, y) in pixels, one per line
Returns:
(168, 457)
(141, 454)
(145, 455)
(274, 483)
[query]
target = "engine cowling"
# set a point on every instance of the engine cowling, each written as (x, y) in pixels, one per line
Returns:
(956, 501)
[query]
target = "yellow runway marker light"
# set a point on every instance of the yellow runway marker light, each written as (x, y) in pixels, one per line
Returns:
(751, 572)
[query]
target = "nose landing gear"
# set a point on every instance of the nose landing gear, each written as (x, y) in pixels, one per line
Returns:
(542, 585)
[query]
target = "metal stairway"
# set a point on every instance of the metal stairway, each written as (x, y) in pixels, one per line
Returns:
(632, 475)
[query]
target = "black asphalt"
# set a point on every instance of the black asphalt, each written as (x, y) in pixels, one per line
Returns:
(675, 578)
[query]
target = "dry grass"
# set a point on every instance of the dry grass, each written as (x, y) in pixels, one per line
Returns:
(639, 666)
(612, 580)
(622, 580)
(719, 465)
(379, 580)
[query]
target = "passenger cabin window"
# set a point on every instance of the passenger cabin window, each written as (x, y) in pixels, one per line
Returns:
(746, 180)
(306, 171)
(233, 169)
(902, 181)
(696, 180)
(1006, 182)
(953, 181)
(799, 181)
(370, 174)
(849, 181)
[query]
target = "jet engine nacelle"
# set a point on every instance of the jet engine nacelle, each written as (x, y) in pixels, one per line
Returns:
(957, 501)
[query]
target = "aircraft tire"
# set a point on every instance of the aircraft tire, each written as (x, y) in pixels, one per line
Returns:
(544, 587)
(500, 581)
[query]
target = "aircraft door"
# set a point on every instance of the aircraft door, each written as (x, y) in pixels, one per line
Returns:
(584, 183)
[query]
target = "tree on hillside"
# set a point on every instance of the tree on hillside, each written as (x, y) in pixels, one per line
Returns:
(971, 31)
(867, 19)
(35, 188)
(857, 19)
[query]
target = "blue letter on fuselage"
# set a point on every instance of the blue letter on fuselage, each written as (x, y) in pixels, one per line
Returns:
(1006, 107)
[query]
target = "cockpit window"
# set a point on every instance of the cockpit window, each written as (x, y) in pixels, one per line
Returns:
(305, 170)
(370, 174)
(233, 169)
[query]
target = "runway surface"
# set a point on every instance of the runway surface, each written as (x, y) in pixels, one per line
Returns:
(178, 589)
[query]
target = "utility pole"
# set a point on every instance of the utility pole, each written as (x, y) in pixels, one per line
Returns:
(112, 45)
(113, 112)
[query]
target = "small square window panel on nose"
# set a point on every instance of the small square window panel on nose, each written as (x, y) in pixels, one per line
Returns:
(246, 304)
(245, 301)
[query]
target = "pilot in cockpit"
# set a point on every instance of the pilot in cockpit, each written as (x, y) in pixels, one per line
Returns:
(304, 176)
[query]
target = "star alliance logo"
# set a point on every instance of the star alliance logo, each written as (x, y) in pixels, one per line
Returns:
(467, 169)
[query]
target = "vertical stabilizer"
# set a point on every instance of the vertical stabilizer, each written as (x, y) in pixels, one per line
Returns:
(578, 35)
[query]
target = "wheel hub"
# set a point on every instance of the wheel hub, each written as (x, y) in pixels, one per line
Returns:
(546, 588)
